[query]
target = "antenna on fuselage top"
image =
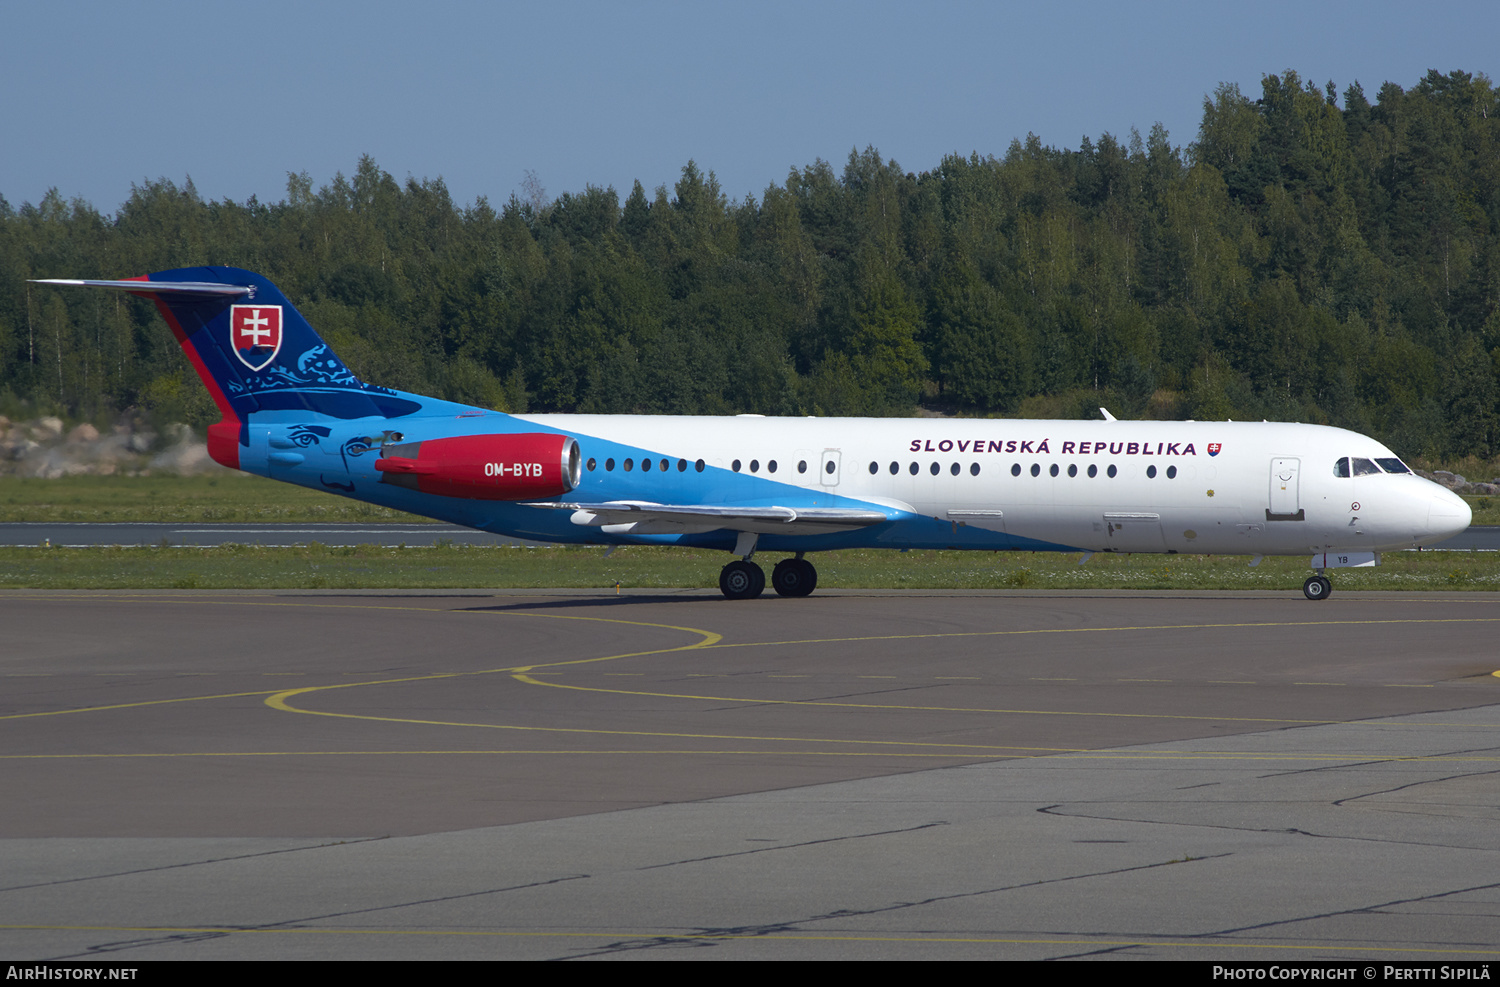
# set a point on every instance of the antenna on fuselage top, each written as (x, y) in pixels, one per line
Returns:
(1107, 416)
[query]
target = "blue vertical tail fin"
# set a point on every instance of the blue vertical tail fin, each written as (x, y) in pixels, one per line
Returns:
(254, 352)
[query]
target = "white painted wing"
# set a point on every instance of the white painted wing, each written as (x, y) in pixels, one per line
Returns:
(646, 518)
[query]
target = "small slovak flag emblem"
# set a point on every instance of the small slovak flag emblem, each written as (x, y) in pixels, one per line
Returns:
(255, 331)
(1214, 447)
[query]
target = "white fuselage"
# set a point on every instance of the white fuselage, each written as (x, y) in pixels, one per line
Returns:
(1199, 487)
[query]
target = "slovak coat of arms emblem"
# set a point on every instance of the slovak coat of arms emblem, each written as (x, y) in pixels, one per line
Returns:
(255, 331)
(1214, 447)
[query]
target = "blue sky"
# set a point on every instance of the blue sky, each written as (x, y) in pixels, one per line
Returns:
(97, 96)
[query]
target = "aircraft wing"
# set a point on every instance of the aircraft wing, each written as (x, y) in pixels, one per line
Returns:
(646, 518)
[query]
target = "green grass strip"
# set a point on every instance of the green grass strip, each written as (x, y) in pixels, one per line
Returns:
(634, 567)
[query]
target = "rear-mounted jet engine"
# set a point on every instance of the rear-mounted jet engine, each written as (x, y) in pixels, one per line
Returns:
(529, 466)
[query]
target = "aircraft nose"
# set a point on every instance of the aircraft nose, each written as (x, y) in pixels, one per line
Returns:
(1448, 514)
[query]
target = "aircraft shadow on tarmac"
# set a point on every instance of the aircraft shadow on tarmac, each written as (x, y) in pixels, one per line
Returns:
(553, 603)
(539, 603)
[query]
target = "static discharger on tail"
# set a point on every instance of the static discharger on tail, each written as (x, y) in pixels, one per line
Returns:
(291, 410)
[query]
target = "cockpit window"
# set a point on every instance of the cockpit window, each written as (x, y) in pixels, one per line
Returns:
(1363, 467)
(1393, 466)
(1341, 468)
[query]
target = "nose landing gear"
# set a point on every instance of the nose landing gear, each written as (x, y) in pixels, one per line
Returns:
(1317, 587)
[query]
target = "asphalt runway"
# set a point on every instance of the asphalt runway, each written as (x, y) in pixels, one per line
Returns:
(86, 535)
(858, 774)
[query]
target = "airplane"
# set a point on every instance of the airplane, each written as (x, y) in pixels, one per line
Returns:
(292, 411)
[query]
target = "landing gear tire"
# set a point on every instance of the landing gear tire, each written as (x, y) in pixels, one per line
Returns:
(741, 580)
(1317, 588)
(794, 577)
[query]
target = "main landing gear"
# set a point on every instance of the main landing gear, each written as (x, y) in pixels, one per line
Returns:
(794, 577)
(744, 580)
(1317, 587)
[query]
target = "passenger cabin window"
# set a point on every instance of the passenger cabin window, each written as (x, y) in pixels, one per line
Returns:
(1364, 467)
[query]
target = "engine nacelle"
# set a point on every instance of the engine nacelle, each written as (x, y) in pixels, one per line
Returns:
(529, 466)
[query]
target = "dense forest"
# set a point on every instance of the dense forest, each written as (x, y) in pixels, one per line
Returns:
(1311, 256)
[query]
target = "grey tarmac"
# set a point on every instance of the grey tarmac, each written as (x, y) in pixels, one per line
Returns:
(859, 774)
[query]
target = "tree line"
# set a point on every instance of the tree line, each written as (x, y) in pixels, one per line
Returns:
(1311, 256)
